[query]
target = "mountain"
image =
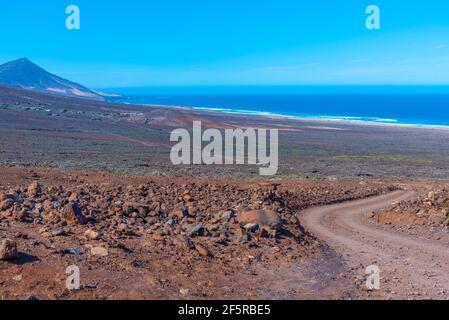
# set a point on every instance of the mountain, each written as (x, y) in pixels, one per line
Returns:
(23, 73)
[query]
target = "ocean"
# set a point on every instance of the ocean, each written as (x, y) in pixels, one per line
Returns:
(404, 108)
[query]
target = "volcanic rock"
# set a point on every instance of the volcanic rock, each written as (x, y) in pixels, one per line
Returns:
(72, 214)
(92, 235)
(8, 250)
(99, 251)
(202, 250)
(34, 189)
(6, 204)
(264, 218)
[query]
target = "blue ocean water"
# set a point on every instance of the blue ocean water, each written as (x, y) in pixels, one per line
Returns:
(404, 108)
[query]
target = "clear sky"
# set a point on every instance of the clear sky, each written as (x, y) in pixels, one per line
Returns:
(231, 42)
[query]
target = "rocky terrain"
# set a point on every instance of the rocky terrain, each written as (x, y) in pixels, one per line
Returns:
(431, 209)
(162, 229)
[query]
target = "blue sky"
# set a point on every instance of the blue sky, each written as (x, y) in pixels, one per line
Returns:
(232, 42)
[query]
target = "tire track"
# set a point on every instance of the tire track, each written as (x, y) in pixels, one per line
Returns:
(411, 268)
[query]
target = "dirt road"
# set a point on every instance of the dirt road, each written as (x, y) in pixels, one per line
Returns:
(410, 267)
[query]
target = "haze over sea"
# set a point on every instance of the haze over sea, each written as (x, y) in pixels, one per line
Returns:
(419, 105)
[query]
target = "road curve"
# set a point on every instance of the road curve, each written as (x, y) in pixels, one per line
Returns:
(410, 268)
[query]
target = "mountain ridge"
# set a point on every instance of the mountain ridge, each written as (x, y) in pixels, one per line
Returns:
(23, 73)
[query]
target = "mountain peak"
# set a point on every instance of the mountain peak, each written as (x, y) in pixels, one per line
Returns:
(23, 60)
(25, 74)
(22, 65)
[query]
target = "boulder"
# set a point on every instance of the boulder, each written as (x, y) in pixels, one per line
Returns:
(227, 216)
(73, 196)
(72, 214)
(142, 209)
(34, 189)
(8, 250)
(264, 218)
(99, 251)
(6, 204)
(92, 235)
(187, 198)
(58, 232)
(181, 213)
(196, 230)
(431, 196)
(202, 250)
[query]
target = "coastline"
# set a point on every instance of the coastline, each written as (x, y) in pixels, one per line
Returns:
(314, 118)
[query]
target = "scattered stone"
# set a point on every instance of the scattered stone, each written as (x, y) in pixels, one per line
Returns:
(251, 227)
(181, 213)
(184, 243)
(430, 209)
(75, 252)
(8, 250)
(34, 189)
(58, 233)
(123, 227)
(196, 230)
(72, 214)
(6, 204)
(99, 251)
(17, 278)
(187, 198)
(92, 235)
(184, 292)
(227, 216)
(202, 250)
(431, 196)
(119, 214)
(73, 197)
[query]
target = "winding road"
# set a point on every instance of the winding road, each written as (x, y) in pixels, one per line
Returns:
(410, 267)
